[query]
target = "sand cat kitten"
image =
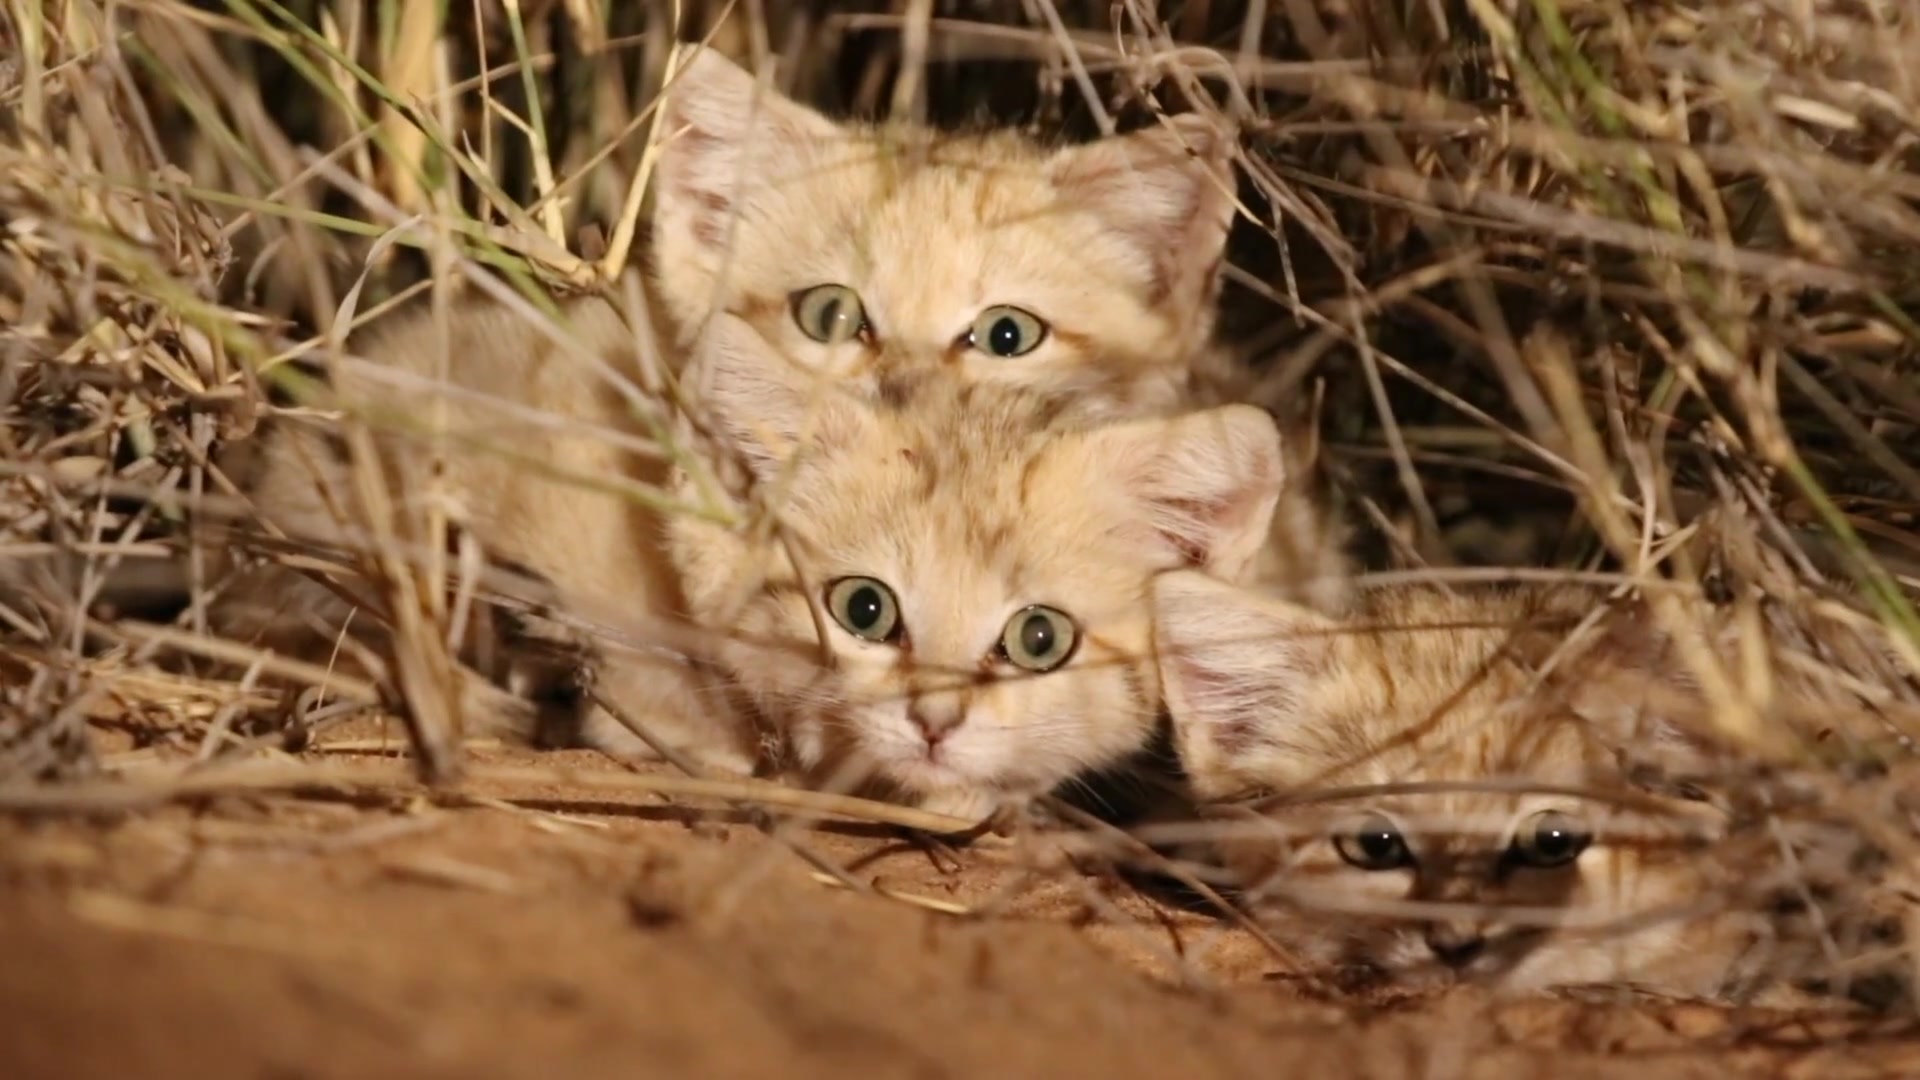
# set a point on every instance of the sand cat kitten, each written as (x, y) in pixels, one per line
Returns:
(1091, 269)
(979, 519)
(876, 254)
(1532, 858)
(1083, 269)
(978, 559)
(859, 249)
(533, 459)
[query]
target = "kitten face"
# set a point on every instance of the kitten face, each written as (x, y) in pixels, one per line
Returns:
(964, 614)
(1522, 886)
(1518, 891)
(861, 251)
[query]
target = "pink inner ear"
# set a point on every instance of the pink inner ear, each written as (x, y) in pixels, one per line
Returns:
(1200, 515)
(1109, 190)
(710, 226)
(1210, 695)
(694, 149)
(1154, 202)
(1201, 521)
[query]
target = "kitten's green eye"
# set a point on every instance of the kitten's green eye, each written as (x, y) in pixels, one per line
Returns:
(829, 314)
(865, 608)
(1375, 845)
(1007, 331)
(1039, 638)
(1548, 839)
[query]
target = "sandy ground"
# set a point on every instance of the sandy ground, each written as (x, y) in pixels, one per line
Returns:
(281, 937)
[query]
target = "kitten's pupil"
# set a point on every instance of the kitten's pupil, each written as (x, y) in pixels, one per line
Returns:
(1037, 639)
(1376, 845)
(865, 607)
(1036, 635)
(1005, 331)
(1380, 844)
(1004, 337)
(829, 314)
(1552, 841)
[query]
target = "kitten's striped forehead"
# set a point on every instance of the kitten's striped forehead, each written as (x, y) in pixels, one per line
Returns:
(1423, 684)
(935, 405)
(951, 483)
(973, 448)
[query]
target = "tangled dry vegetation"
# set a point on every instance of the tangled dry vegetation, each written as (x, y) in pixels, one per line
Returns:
(1610, 287)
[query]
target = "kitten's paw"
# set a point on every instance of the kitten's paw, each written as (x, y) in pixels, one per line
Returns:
(488, 710)
(966, 804)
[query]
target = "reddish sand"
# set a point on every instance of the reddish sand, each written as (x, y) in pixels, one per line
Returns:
(283, 937)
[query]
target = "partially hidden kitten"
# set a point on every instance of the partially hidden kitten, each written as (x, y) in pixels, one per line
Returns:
(1407, 797)
(861, 249)
(866, 250)
(978, 554)
(535, 446)
(957, 605)
(1081, 270)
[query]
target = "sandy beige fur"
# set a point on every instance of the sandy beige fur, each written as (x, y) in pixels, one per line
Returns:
(1112, 247)
(1684, 889)
(528, 426)
(1115, 246)
(971, 501)
(966, 497)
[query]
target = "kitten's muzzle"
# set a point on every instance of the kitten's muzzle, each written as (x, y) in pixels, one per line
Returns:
(935, 718)
(1455, 944)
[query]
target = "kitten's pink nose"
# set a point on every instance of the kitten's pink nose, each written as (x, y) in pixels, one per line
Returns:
(936, 720)
(1455, 945)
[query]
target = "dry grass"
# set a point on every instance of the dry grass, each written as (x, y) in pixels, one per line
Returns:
(1609, 287)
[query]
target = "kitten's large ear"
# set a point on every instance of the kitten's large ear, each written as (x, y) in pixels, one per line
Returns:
(1232, 668)
(1198, 490)
(720, 133)
(766, 405)
(1636, 693)
(1168, 190)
